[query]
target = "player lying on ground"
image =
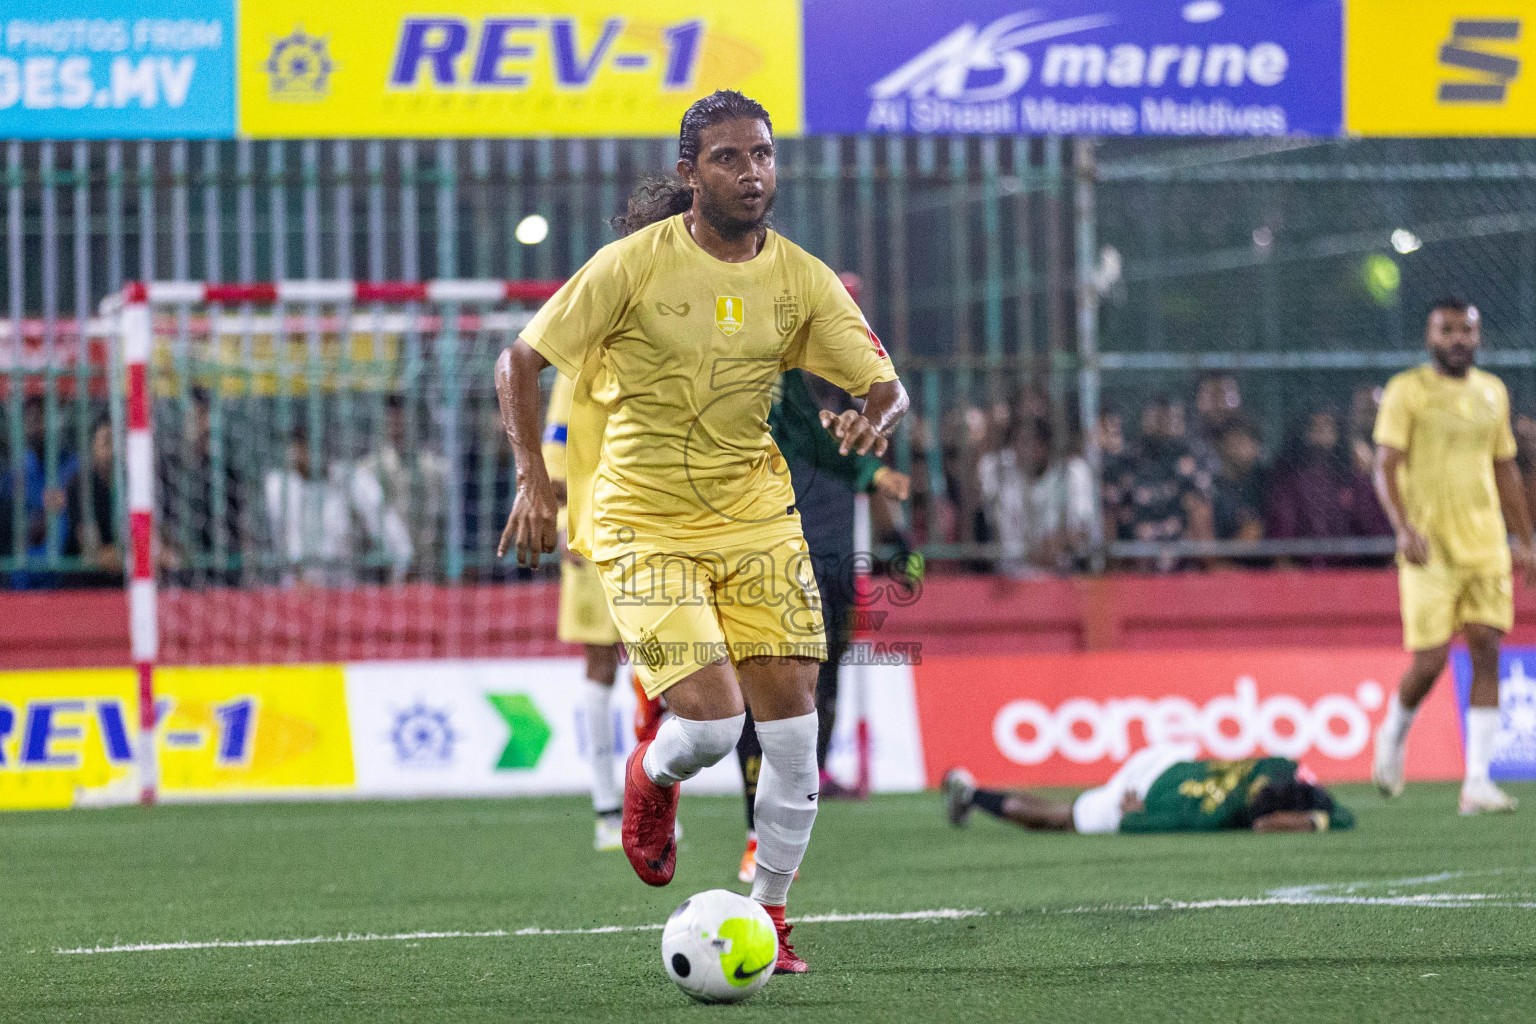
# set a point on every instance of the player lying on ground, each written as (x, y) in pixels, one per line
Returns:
(675, 336)
(1447, 479)
(1159, 790)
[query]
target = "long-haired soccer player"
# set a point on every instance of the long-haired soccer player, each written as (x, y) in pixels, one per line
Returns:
(675, 335)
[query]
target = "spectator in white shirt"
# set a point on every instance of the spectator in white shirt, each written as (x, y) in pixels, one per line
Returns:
(415, 482)
(313, 520)
(1040, 508)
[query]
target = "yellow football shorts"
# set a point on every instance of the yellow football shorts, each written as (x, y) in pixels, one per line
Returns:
(1437, 600)
(584, 616)
(679, 611)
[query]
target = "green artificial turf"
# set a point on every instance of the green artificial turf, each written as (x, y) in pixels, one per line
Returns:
(1075, 926)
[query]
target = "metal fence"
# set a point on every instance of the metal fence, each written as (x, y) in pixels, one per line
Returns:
(1012, 278)
(1302, 271)
(963, 247)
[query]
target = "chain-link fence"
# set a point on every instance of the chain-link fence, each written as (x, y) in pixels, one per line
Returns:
(1236, 289)
(1268, 290)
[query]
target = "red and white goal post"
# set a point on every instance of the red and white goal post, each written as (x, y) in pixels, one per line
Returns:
(251, 616)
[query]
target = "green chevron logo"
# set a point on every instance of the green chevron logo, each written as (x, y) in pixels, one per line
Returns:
(530, 733)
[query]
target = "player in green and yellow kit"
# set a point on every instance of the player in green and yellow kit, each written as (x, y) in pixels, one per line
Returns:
(1162, 789)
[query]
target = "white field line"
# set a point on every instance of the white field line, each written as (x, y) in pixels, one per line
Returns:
(1438, 901)
(944, 914)
(1344, 894)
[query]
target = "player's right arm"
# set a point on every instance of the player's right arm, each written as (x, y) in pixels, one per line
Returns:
(531, 524)
(1394, 423)
(1410, 542)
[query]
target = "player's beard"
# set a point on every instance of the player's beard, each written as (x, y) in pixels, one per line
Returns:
(716, 214)
(1456, 365)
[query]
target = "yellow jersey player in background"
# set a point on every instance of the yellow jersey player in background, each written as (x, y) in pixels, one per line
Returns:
(1446, 477)
(584, 620)
(675, 336)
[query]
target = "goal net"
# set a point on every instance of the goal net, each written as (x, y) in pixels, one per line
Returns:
(316, 473)
(322, 471)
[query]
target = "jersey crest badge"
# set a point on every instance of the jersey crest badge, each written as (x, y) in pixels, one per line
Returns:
(730, 314)
(786, 314)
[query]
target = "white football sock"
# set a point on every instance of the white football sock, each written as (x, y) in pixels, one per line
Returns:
(684, 747)
(597, 700)
(1482, 732)
(1398, 721)
(787, 788)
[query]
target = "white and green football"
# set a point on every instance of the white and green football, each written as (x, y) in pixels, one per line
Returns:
(719, 946)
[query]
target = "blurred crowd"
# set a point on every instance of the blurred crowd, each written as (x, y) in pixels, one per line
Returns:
(1007, 490)
(307, 519)
(1014, 477)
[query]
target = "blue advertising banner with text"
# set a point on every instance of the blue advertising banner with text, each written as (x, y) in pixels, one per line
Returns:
(1514, 752)
(125, 69)
(1093, 67)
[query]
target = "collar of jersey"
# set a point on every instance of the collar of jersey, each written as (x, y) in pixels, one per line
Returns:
(769, 239)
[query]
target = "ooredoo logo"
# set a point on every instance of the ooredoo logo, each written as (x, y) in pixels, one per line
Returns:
(1230, 725)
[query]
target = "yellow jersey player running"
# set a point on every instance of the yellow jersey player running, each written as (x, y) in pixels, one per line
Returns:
(675, 336)
(1446, 477)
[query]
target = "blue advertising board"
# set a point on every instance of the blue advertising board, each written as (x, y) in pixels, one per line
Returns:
(1514, 753)
(1094, 67)
(125, 69)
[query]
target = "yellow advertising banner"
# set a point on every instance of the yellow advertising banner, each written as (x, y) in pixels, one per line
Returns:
(402, 68)
(67, 738)
(1440, 67)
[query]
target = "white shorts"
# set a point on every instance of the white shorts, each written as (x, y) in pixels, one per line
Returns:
(1098, 810)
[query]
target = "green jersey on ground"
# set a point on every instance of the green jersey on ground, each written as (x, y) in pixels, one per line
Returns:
(1204, 796)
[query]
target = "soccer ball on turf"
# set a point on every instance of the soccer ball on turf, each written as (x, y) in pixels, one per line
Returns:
(719, 946)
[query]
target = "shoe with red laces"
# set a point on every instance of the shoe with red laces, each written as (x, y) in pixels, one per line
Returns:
(650, 820)
(648, 711)
(789, 961)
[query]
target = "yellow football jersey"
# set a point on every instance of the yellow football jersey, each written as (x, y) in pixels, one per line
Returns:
(675, 356)
(557, 425)
(1452, 431)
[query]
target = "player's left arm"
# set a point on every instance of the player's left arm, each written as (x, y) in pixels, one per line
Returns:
(868, 431)
(1511, 488)
(838, 345)
(1517, 517)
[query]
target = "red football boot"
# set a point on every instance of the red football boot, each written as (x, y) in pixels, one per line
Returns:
(789, 961)
(650, 817)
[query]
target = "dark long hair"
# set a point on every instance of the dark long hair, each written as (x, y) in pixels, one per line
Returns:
(656, 199)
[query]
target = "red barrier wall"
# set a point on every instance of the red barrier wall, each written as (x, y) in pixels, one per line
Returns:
(990, 615)
(954, 615)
